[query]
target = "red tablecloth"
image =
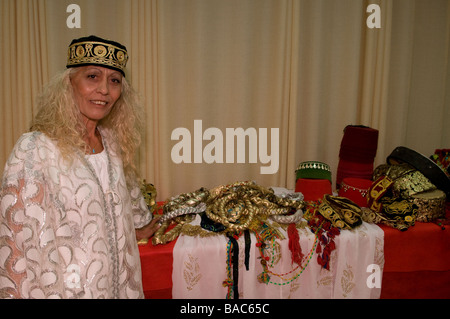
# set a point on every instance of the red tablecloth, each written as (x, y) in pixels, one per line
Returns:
(156, 263)
(417, 264)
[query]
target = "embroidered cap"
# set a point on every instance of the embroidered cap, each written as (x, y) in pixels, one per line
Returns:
(93, 50)
(314, 170)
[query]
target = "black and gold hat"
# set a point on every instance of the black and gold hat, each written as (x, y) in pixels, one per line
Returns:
(93, 50)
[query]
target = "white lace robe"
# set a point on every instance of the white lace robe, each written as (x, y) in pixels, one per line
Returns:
(62, 235)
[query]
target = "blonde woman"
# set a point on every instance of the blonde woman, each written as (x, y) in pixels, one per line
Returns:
(71, 206)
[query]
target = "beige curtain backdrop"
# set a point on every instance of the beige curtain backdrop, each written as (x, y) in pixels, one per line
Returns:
(305, 67)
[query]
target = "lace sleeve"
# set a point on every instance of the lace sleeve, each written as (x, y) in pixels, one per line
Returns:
(21, 200)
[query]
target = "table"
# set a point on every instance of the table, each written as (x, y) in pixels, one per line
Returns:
(417, 264)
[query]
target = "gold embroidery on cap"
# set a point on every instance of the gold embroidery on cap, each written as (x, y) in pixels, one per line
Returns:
(97, 53)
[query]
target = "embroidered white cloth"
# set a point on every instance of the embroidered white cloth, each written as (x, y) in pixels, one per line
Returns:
(63, 232)
(200, 267)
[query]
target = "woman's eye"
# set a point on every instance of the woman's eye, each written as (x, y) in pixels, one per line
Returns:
(91, 76)
(116, 81)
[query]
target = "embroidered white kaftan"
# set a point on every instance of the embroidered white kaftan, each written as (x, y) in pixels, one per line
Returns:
(63, 234)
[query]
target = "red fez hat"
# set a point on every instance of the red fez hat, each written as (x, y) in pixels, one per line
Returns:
(357, 153)
(313, 180)
(313, 189)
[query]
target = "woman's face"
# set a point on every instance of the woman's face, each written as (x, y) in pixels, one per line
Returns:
(96, 90)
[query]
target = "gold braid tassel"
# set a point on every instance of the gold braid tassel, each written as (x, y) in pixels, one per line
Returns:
(163, 237)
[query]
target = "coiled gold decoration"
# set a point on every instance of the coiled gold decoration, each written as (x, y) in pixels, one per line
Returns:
(238, 206)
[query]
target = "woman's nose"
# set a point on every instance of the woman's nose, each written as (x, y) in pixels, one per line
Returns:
(103, 87)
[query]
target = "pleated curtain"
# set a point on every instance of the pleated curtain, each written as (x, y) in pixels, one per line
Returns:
(301, 69)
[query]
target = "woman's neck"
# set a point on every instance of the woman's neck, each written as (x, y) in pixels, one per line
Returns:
(93, 141)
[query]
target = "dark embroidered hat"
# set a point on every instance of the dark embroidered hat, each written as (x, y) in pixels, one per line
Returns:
(93, 50)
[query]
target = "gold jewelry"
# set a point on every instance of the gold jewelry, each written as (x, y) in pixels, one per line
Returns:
(149, 192)
(163, 237)
(238, 206)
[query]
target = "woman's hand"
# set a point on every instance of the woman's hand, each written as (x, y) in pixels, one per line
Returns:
(147, 231)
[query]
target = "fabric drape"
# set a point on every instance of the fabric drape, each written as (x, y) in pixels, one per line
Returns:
(306, 68)
(23, 67)
(201, 267)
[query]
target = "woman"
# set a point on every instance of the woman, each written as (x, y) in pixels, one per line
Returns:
(71, 205)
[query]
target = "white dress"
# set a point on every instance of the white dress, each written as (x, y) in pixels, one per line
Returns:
(68, 231)
(99, 163)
